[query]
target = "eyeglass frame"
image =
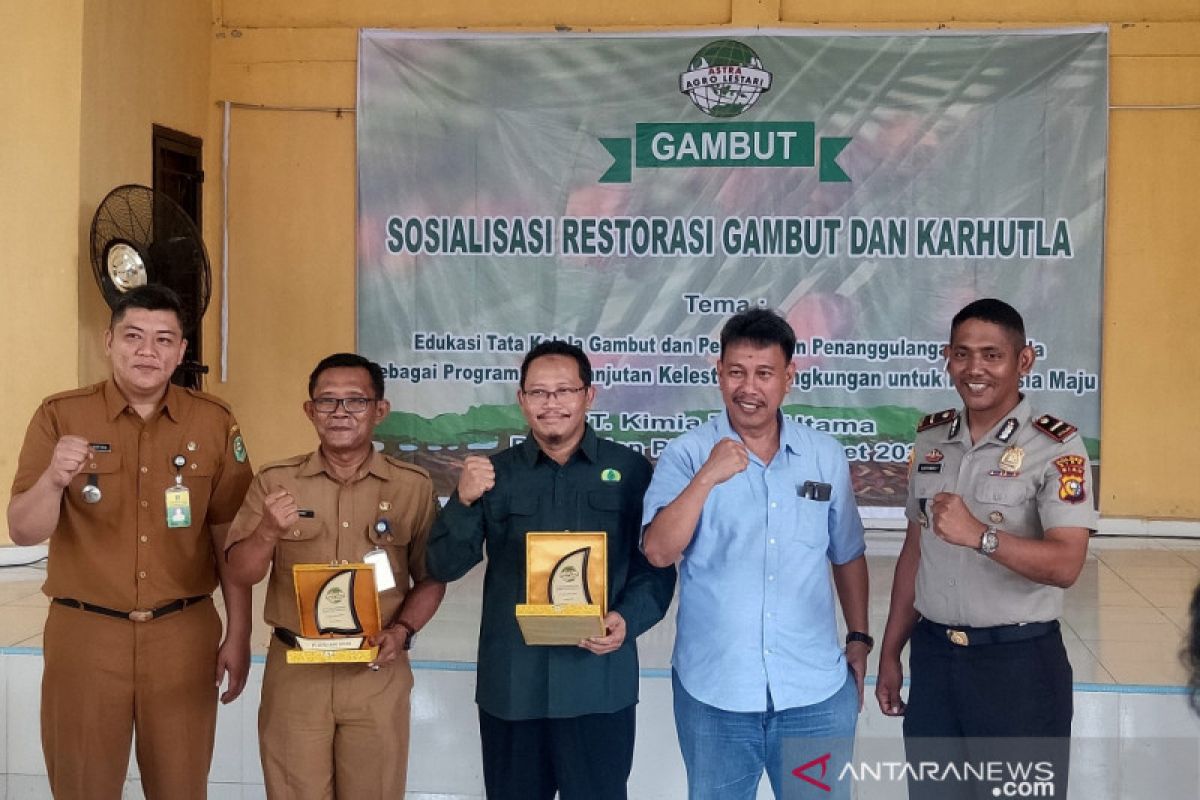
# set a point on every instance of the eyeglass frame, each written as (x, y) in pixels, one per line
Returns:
(342, 402)
(543, 396)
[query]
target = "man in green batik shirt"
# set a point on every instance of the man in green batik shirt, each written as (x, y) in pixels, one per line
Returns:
(554, 718)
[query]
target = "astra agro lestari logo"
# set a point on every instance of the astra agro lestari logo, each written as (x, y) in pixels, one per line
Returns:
(725, 79)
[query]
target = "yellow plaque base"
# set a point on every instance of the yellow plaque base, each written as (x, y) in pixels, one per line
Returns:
(364, 655)
(546, 624)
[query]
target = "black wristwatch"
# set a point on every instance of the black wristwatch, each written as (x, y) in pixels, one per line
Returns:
(859, 636)
(410, 633)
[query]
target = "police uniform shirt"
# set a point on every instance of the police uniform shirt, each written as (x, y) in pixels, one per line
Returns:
(1050, 488)
(343, 526)
(119, 552)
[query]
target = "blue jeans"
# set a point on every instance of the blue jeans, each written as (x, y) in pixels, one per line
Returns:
(725, 752)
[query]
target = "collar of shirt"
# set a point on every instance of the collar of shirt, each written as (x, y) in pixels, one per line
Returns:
(961, 433)
(530, 450)
(315, 464)
(115, 403)
(790, 436)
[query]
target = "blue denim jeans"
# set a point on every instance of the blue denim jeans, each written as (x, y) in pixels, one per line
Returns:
(725, 752)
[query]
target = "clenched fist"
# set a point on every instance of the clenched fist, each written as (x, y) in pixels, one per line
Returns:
(280, 514)
(727, 459)
(70, 454)
(478, 476)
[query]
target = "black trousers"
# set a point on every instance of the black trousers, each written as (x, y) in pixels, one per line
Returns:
(1004, 707)
(581, 758)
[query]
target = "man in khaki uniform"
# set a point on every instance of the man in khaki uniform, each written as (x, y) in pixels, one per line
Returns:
(999, 512)
(338, 730)
(134, 481)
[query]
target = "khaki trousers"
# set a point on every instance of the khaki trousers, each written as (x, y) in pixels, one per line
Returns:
(105, 678)
(334, 730)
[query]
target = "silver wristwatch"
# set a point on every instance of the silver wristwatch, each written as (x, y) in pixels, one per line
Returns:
(989, 541)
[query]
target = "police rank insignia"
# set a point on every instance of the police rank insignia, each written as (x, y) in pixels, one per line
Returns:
(239, 448)
(610, 475)
(1071, 478)
(934, 456)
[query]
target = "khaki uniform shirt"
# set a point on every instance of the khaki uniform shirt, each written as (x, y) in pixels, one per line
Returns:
(119, 552)
(343, 525)
(1050, 488)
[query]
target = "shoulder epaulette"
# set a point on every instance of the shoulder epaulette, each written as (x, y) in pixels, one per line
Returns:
(294, 461)
(1055, 428)
(937, 418)
(212, 398)
(82, 391)
(398, 462)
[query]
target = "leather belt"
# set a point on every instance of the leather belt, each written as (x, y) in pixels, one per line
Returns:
(138, 614)
(286, 636)
(1000, 634)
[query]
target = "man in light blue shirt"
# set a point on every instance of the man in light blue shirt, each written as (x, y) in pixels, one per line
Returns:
(756, 508)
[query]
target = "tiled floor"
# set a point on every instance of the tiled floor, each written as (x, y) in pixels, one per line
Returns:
(1124, 624)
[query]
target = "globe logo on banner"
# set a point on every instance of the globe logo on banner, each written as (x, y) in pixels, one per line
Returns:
(725, 78)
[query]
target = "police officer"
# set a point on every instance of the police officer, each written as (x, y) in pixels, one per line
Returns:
(134, 481)
(999, 513)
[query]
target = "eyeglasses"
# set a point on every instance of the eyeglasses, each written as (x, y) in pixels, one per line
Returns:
(540, 396)
(353, 405)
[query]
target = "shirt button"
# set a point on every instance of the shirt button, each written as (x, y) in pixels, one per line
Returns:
(142, 574)
(296, 534)
(144, 504)
(770, 615)
(145, 435)
(770, 577)
(771, 541)
(144, 538)
(952, 581)
(145, 469)
(345, 524)
(767, 652)
(93, 465)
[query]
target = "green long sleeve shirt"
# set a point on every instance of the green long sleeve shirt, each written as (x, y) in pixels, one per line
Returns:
(600, 488)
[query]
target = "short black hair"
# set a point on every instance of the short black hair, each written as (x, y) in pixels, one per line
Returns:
(997, 312)
(761, 326)
(557, 347)
(151, 297)
(352, 360)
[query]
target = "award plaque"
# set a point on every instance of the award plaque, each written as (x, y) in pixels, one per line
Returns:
(566, 587)
(339, 609)
(568, 584)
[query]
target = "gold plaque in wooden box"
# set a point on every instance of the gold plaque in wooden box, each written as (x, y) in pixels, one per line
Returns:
(339, 610)
(566, 587)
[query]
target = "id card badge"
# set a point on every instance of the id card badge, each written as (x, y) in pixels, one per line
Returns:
(179, 507)
(384, 579)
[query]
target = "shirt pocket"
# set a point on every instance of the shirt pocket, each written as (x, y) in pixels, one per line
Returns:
(810, 525)
(605, 510)
(303, 543)
(197, 477)
(103, 472)
(393, 540)
(397, 530)
(1001, 501)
